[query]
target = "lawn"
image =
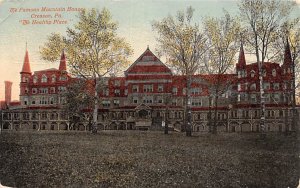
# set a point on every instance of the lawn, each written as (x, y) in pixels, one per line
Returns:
(148, 159)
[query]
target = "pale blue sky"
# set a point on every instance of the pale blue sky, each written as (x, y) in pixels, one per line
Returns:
(134, 18)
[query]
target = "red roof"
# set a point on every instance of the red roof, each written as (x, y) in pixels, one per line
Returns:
(62, 65)
(148, 63)
(242, 61)
(287, 55)
(26, 64)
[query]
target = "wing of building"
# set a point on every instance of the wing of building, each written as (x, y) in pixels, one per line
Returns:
(150, 95)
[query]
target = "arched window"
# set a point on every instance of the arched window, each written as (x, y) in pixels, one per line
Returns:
(63, 78)
(252, 74)
(253, 87)
(44, 78)
(274, 72)
(53, 78)
(35, 79)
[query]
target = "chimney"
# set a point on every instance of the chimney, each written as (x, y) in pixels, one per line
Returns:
(8, 85)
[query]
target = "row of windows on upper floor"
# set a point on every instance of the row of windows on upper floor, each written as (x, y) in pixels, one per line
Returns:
(243, 73)
(151, 100)
(148, 88)
(272, 98)
(45, 90)
(44, 100)
(44, 79)
(266, 86)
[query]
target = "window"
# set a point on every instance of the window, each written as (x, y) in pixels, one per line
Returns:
(239, 74)
(253, 97)
(52, 90)
(62, 100)
(244, 73)
(126, 92)
(252, 74)
(196, 102)
(135, 88)
(26, 90)
(195, 91)
(148, 99)
(116, 102)
(267, 97)
(43, 90)
(53, 78)
(239, 87)
(51, 100)
(160, 88)
(148, 88)
(63, 78)
(117, 83)
(44, 78)
(274, 72)
(106, 103)
(184, 91)
(276, 86)
(276, 97)
(35, 79)
(266, 85)
(174, 102)
(117, 92)
(62, 89)
(43, 100)
(160, 100)
(174, 90)
(33, 101)
(106, 92)
(264, 72)
(253, 87)
(135, 100)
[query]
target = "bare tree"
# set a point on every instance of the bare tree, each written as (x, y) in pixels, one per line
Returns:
(223, 38)
(79, 100)
(183, 44)
(93, 50)
(262, 19)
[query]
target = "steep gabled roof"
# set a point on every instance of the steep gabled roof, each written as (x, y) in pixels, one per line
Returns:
(62, 64)
(148, 63)
(26, 64)
(242, 61)
(287, 54)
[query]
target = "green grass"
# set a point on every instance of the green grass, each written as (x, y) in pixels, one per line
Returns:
(147, 159)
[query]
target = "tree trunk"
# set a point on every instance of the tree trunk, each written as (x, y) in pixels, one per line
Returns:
(262, 103)
(209, 115)
(166, 121)
(95, 111)
(294, 111)
(286, 112)
(188, 108)
(215, 130)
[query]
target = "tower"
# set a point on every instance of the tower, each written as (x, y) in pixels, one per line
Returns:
(8, 86)
(25, 78)
(241, 65)
(62, 64)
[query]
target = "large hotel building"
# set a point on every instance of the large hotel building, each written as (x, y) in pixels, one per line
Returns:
(149, 94)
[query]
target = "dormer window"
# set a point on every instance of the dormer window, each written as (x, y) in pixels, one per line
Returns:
(35, 79)
(253, 87)
(62, 78)
(252, 74)
(264, 73)
(274, 72)
(53, 78)
(44, 78)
